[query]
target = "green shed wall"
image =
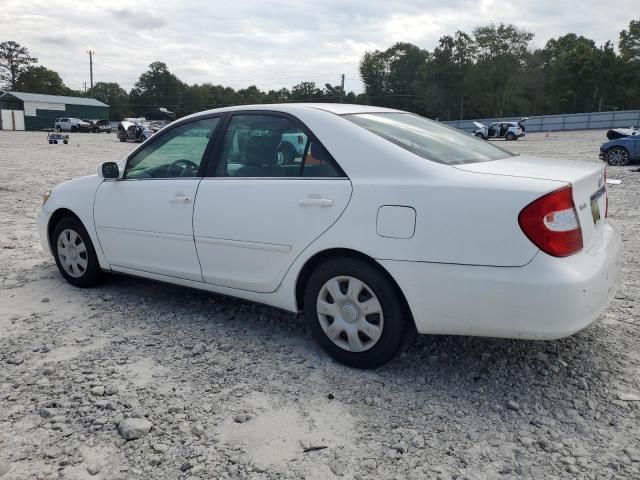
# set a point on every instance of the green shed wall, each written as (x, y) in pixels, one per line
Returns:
(45, 119)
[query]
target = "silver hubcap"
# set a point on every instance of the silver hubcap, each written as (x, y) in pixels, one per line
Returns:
(72, 253)
(618, 157)
(350, 314)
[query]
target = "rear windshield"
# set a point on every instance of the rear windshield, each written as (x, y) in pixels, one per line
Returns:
(428, 139)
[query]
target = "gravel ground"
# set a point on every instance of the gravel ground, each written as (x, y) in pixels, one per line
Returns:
(141, 380)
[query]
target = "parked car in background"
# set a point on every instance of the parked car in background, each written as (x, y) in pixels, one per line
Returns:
(622, 132)
(388, 221)
(160, 113)
(136, 131)
(622, 151)
(507, 130)
(69, 124)
(291, 147)
(99, 126)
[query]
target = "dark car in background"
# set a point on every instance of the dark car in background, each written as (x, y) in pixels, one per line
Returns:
(622, 150)
(99, 126)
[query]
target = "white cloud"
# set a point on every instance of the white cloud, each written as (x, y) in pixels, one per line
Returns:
(272, 44)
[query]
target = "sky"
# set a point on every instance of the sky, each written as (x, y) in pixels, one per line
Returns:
(276, 43)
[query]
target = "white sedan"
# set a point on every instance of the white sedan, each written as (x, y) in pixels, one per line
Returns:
(385, 222)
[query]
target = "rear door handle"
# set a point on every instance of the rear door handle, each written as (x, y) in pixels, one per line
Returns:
(180, 199)
(315, 202)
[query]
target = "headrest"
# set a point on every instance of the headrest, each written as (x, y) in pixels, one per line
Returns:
(262, 150)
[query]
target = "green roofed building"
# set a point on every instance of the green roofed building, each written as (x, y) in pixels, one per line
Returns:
(33, 111)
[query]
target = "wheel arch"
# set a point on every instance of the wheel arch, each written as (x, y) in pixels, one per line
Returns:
(622, 147)
(320, 257)
(56, 216)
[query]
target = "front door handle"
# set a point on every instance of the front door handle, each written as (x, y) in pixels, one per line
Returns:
(180, 199)
(315, 202)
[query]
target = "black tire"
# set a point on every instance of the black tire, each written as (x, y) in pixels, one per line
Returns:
(55, 142)
(65, 141)
(510, 136)
(393, 326)
(618, 157)
(288, 153)
(479, 135)
(92, 275)
(122, 139)
(58, 129)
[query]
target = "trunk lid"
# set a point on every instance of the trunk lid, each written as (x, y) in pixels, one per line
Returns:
(587, 179)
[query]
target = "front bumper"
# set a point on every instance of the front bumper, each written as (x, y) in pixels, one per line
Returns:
(548, 298)
(43, 223)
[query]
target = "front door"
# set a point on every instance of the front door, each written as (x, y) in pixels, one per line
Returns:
(257, 213)
(144, 221)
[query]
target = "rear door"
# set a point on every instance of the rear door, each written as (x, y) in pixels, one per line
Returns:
(256, 213)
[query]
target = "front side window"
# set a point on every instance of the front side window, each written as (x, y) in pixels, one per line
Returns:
(272, 146)
(428, 139)
(177, 153)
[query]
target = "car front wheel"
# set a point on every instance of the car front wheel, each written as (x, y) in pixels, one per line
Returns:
(618, 157)
(74, 253)
(354, 313)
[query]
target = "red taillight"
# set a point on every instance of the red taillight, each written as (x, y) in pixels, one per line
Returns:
(551, 223)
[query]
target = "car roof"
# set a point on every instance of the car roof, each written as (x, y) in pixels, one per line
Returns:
(337, 108)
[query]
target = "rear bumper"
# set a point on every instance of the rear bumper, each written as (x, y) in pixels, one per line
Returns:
(548, 298)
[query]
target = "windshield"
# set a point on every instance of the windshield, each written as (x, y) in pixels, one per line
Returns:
(428, 139)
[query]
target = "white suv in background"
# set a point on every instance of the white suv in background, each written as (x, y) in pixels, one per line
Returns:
(66, 124)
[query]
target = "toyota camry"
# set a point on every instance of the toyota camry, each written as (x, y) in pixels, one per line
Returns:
(381, 222)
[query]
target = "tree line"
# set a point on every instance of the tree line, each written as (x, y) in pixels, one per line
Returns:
(493, 71)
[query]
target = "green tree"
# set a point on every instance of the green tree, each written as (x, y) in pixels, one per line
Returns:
(157, 87)
(444, 86)
(113, 95)
(14, 61)
(41, 80)
(500, 58)
(306, 92)
(389, 76)
(629, 43)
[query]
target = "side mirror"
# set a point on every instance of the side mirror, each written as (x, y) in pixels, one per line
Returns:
(110, 170)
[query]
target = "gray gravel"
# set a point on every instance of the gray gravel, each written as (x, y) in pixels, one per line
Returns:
(139, 380)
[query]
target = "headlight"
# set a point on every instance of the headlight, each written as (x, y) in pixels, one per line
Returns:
(45, 197)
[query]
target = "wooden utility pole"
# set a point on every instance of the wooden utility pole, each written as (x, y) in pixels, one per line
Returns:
(90, 67)
(341, 87)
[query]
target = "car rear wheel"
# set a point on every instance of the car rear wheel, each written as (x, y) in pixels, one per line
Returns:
(74, 253)
(354, 313)
(510, 136)
(618, 157)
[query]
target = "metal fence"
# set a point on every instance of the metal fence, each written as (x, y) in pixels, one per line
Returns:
(573, 121)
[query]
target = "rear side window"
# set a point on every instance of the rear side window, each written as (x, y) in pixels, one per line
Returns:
(272, 146)
(428, 139)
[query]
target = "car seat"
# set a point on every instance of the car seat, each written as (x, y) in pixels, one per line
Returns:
(261, 156)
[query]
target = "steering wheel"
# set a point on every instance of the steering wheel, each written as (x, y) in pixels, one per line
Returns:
(184, 166)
